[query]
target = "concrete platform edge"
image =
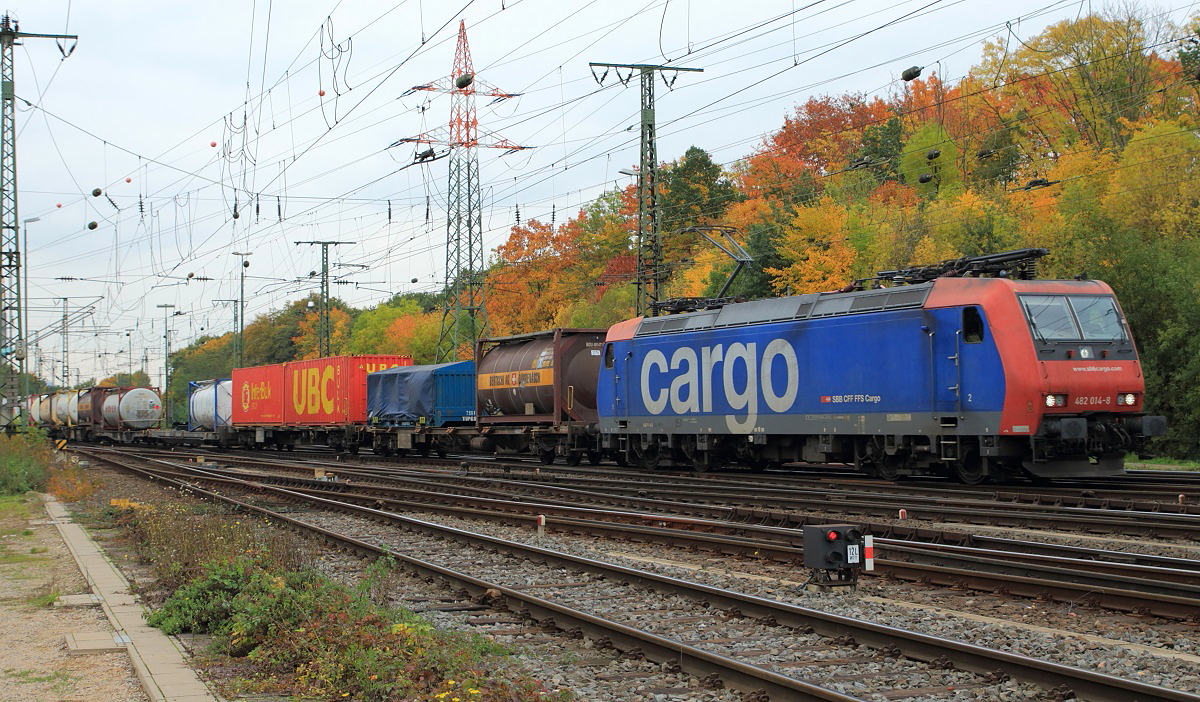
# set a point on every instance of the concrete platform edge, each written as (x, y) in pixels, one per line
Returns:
(97, 560)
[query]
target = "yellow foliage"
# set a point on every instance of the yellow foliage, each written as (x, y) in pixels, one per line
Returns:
(818, 248)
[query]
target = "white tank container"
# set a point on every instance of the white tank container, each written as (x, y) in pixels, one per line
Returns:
(45, 409)
(73, 405)
(137, 408)
(62, 403)
(34, 403)
(211, 404)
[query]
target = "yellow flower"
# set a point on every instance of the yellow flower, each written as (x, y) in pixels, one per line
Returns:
(449, 682)
(473, 691)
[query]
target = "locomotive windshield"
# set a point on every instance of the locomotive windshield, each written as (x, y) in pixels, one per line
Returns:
(1074, 317)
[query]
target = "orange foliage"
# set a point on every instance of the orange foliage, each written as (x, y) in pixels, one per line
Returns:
(824, 131)
(532, 284)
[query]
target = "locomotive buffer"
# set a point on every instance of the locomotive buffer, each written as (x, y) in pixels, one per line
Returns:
(834, 555)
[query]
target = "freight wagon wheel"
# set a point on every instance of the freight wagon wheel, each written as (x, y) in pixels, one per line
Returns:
(574, 458)
(594, 457)
(546, 456)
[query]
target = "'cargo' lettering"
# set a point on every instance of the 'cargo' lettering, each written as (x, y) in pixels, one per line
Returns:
(686, 382)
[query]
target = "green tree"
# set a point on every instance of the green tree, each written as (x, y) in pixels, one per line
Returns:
(368, 334)
(931, 156)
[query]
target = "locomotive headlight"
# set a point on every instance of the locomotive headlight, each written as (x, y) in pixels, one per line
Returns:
(1056, 400)
(1127, 398)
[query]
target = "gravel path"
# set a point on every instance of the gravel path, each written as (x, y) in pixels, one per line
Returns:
(34, 665)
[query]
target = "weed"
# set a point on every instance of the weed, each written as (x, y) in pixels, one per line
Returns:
(177, 541)
(46, 594)
(70, 483)
(39, 549)
(27, 532)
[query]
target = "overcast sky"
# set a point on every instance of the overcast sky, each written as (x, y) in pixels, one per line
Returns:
(151, 85)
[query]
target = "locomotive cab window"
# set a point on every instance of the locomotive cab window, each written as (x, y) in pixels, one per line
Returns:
(972, 325)
(608, 356)
(1074, 317)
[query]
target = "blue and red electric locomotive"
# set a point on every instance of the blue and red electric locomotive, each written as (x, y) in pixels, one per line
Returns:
(975, 377)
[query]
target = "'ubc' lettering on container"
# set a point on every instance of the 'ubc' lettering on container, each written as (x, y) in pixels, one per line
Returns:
(311, 390)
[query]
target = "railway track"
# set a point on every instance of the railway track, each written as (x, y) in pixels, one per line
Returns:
(1165, 587)
(563, 608)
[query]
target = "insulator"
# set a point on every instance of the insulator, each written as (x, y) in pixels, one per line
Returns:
(932, 154)
(518, 215)
(925, 177)
(911, 73)
(985, 154)
(92, 225)
(245, 263)
(553, 212)
(389, 210)
(279, 207)
(414, 280)
(97, 192)
(464, 80)
(426, 209)
(256, 210)
(141, 206)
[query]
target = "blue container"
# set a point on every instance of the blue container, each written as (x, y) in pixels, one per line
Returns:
(436, 396)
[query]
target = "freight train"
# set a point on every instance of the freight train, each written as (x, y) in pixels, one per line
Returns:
(971, 369)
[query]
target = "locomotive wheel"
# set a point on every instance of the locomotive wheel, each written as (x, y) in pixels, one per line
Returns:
(971, 469)
(647, 457)
(594, 457)
(574, 458)
(888, 468)
(546, 456)
(384, 451)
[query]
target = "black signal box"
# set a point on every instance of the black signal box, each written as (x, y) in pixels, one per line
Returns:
(833, 546)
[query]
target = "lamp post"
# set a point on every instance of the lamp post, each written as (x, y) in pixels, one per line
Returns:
(129, 336)
(239, 347)
(166, 390)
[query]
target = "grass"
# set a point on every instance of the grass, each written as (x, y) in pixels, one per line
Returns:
(61, 681)
(24, 462)
(15, 508)
(1134, 463)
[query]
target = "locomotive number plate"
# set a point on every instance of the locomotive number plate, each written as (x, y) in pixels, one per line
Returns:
(1093, 400)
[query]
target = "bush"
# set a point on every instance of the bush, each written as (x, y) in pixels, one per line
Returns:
(323, 638)
(24, 462)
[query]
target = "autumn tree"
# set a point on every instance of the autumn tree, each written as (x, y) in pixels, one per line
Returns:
(533, 279)
(817, 251)
(308, 341)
